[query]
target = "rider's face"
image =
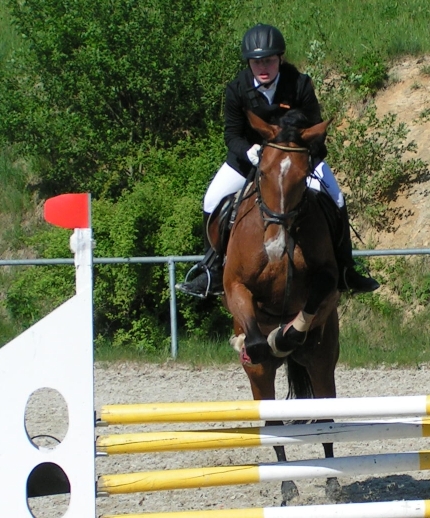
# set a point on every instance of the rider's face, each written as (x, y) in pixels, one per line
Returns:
(265, 69)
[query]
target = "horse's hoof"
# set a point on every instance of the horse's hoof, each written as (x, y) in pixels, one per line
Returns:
(285, 340)
(258, 353)
(289, 492)
(272, 341)
(333, 490)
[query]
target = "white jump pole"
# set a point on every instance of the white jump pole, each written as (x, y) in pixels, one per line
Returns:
(55, 353)
(191, 440)
(266, 410)
(399, 509)
(256, 473)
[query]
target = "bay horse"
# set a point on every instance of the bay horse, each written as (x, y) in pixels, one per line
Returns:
(280, 275)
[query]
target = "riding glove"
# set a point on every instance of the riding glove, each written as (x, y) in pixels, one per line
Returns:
(254, 154)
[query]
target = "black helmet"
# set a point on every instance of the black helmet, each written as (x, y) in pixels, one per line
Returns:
(261, 41)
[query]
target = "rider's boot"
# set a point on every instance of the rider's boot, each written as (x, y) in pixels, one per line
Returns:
(349, 278)
(210, 271)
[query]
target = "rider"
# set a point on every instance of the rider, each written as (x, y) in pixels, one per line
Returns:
(269, 87)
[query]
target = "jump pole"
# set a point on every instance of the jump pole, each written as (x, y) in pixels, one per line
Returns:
(256, 473)
(266, 410)
(399, 509)
(192, 440)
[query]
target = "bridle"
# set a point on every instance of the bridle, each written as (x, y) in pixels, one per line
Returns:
(286, 220)
(269, 216)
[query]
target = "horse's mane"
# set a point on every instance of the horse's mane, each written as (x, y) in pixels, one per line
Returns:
(291, 125)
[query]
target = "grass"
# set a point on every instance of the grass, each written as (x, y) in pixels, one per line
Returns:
(191, 351)
(369, 338)
(348, 27)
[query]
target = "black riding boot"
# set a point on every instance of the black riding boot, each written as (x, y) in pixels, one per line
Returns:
(209, 270)
(349, 278)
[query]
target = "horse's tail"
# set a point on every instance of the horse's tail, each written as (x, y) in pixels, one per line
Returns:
(299, 382)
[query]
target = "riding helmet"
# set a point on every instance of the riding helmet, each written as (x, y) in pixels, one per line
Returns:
(261, 41)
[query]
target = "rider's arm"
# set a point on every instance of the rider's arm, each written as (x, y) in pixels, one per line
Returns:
(235, 123)
(307, 100)
(310, 106)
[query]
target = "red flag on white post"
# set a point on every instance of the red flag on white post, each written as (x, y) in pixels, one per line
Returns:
(69, 210)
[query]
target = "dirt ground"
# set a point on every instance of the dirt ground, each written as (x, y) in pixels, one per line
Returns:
(138, 383)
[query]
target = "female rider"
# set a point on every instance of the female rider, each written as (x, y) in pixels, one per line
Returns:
(269, 87)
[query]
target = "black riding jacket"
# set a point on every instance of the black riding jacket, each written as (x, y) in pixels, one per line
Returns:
(293, 89)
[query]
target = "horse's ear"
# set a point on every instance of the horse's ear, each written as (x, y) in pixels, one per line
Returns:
(319, 130)
(267, 131)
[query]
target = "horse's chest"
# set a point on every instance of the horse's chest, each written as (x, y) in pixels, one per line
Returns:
(276, 246)
(277, 261)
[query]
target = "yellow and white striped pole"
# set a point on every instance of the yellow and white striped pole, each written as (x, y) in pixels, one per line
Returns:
(151, 442)
(266, 410)
(255, 473)
(396, 509)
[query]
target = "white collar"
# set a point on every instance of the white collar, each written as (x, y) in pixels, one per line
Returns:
(269, 92)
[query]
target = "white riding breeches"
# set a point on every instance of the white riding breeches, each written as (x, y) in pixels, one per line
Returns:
(228, 181)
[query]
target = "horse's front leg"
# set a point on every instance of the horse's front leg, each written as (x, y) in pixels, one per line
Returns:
(262, 379)
(289, 337)
(241, 305)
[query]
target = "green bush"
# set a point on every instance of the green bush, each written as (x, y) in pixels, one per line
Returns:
(98, 84)
(369, 152)
(159, 216)
(37, 290)
(368, 73)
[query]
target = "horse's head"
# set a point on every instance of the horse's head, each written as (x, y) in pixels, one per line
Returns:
(286, 161)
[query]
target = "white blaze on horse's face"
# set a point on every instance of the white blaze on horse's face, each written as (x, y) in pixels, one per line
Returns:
(275, 246)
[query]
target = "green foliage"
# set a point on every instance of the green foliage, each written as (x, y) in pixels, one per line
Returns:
(378, 331)
(15, 200)
(370, 153)
(96, 84)
(409, 279)
(38, 290)
(368, 73)
(157, 217)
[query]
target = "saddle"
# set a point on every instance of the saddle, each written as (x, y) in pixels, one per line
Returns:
(222, 219)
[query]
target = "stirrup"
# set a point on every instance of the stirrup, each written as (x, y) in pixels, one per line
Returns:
(203, 283)
(204, 269)
(372, 284)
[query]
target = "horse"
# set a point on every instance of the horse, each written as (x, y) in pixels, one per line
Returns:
(280, 275)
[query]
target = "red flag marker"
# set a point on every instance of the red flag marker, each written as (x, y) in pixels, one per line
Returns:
(68, 210)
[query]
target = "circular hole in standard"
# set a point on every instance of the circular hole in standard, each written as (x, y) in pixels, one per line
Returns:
(46, 418)
(48, 491)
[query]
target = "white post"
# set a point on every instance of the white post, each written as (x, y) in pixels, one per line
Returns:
(55, 353)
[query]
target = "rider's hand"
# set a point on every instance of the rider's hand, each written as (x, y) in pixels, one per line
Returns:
(254, 154)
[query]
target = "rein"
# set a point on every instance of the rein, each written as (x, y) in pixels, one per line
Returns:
(288, 148)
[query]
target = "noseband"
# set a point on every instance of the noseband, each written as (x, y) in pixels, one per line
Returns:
(269, 216)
